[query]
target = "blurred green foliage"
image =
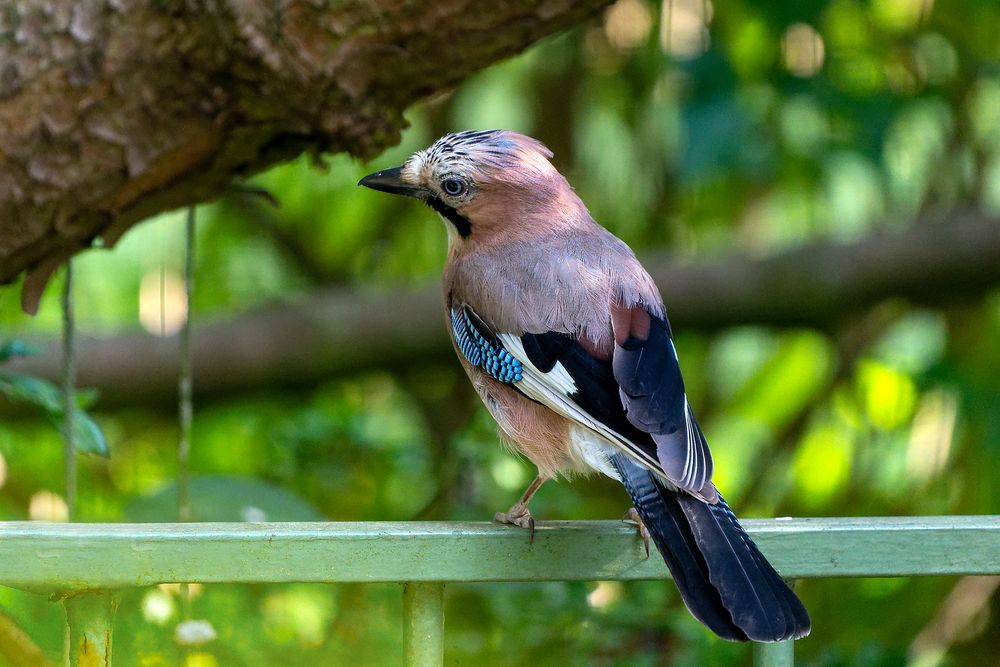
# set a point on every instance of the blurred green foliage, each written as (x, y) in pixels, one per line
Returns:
(697, 126)
(48, 400)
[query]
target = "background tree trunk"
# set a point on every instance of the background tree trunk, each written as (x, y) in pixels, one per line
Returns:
(329, 333)
(114, 110)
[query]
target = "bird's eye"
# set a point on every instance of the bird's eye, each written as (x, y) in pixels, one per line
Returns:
(452, 186)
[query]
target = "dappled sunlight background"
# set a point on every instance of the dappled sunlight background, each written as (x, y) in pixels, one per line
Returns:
(694, 127)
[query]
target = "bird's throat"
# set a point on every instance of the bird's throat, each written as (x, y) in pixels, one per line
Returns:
(457, 220)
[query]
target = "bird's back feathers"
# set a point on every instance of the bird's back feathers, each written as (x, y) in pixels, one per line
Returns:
(561, 280)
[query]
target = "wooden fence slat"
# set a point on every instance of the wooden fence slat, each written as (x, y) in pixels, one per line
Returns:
(423, 624)
(89, 617)
(59, 557)
(779, 654)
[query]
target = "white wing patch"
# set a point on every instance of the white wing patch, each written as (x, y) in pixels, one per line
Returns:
(553, 390)
(558, 378)
(592, 451)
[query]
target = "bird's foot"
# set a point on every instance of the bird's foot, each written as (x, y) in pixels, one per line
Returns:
(633, 515)
(518, 515)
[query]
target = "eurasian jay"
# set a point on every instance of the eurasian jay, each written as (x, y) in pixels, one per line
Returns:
(565, 338)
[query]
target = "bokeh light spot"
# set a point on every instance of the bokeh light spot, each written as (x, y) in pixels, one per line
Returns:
(822, 464)
(803, 49)
(684, 27)
(162, 303)
(627, 24)
(47, 506)
(889, 395)
(157, 606)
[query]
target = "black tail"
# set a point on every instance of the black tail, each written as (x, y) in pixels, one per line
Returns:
(723, 578)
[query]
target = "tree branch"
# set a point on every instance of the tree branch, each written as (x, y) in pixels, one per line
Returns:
(113, 111)
(931, 263)
(338, 332)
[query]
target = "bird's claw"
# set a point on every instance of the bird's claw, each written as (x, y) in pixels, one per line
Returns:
(518, 515)
(633, 515)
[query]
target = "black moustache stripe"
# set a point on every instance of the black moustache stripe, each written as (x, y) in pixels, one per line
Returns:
(461, 223)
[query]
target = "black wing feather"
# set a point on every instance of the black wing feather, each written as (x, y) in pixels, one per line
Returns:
(639, 395)
(652, 391)
(650, 380)
(597, 391)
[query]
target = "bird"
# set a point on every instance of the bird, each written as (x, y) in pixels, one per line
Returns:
(565, 337)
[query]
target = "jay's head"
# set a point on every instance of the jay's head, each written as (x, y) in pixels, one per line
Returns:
(483, 183)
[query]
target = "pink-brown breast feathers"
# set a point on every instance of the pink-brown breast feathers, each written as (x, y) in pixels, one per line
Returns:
(529, 428)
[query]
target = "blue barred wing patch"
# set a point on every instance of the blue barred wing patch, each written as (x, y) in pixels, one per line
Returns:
(483, 350)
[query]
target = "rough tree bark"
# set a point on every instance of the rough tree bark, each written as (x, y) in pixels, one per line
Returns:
(114, 110)
(328, 334)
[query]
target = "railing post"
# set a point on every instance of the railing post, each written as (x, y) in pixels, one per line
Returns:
(777, 654)
(423, 624)
(89, 619)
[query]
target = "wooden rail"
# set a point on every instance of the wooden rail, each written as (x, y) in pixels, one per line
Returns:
(86, 563)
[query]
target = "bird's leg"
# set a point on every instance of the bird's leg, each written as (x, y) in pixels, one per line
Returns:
(518, 514)
(633, 515)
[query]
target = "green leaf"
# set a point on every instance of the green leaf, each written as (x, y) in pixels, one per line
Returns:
(48, 398)
(88, 436)
(34, 391)
(222, 498)
(16, 348)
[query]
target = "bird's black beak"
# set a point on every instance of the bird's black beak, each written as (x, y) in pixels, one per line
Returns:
(390, 180)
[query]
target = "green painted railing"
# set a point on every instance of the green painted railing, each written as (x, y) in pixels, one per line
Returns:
(84, 564)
